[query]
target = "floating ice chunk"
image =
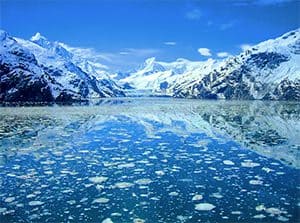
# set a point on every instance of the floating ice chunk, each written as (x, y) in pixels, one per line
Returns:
(126, 165)
(204, 207)
(217, 195)
(101, 200)
(249, 164)
(197, 197)
(255, 182)
(182, 218)
(107, 220)
(260, 207)
(268, 170)
(122, 185)
(174, 193)
(282, 218)
(48, 162)
(2, 210)
(273, 211)
(9, 199)
(83, 200)
(159, 172)
(71, 202)
(30, 195)
(236, 212)
(11, 175)
(35, 203)
(259, 216)
(138, 220)
(228, 162)
(99, 187)
(143, 181)
(98, 180)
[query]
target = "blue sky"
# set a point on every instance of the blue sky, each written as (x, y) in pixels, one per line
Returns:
(123, 33)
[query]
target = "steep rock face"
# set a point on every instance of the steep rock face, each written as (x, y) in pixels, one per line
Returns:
(39, 70)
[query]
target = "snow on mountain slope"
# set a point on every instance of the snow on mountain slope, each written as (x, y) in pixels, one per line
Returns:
(159, 76)
(269, 70)
(50, 68)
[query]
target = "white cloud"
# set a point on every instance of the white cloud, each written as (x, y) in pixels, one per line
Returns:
(126, 58)
(193, 15)
(226, 26)
(204, 52)
(123, 53)
(223, 54)
(245, 46)
(170, 43)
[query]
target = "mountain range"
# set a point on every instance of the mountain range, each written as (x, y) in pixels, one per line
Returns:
(269, 70)
(41, 70)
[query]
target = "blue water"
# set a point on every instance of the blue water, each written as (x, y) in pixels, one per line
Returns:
(150, 160)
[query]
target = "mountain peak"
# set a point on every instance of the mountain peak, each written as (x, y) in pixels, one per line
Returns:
(150, 60)
(38, 36)
(40, 40)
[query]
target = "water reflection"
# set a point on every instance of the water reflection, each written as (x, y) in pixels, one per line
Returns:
(153, 160)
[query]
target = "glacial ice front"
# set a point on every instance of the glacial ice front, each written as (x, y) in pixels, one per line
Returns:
(150, 160)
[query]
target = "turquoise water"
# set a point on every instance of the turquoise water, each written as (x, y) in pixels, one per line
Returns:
(150, 160)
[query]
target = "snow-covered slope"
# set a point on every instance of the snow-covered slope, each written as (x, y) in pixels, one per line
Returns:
(269, 70)
(160, 76)
(40, 70)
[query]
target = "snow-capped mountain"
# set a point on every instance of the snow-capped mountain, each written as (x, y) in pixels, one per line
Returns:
(40, 70)
(269, 70)
(160, 76)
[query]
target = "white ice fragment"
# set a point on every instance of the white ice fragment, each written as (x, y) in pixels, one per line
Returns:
(174, 193)
(282, 218)
(2, 210)
(249, 164)
(260, 207)
(259, 216)
(197, 197)
(35, 203)
(122, 185)
(159, 172)
(98, 180)
(228, 162)
(9, 199)
(143, 181)
(273, 211)
(101, 200)
(138, 220)
(204, 207)
(255, 182)
(107, 220)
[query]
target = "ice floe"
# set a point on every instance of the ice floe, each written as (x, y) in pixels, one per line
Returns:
(98, 180)
(204, 207)
(35, 203)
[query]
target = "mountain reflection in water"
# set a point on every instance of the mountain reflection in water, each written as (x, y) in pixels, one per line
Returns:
(158, 160)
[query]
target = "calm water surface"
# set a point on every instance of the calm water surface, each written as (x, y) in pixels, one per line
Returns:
(151, 160)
